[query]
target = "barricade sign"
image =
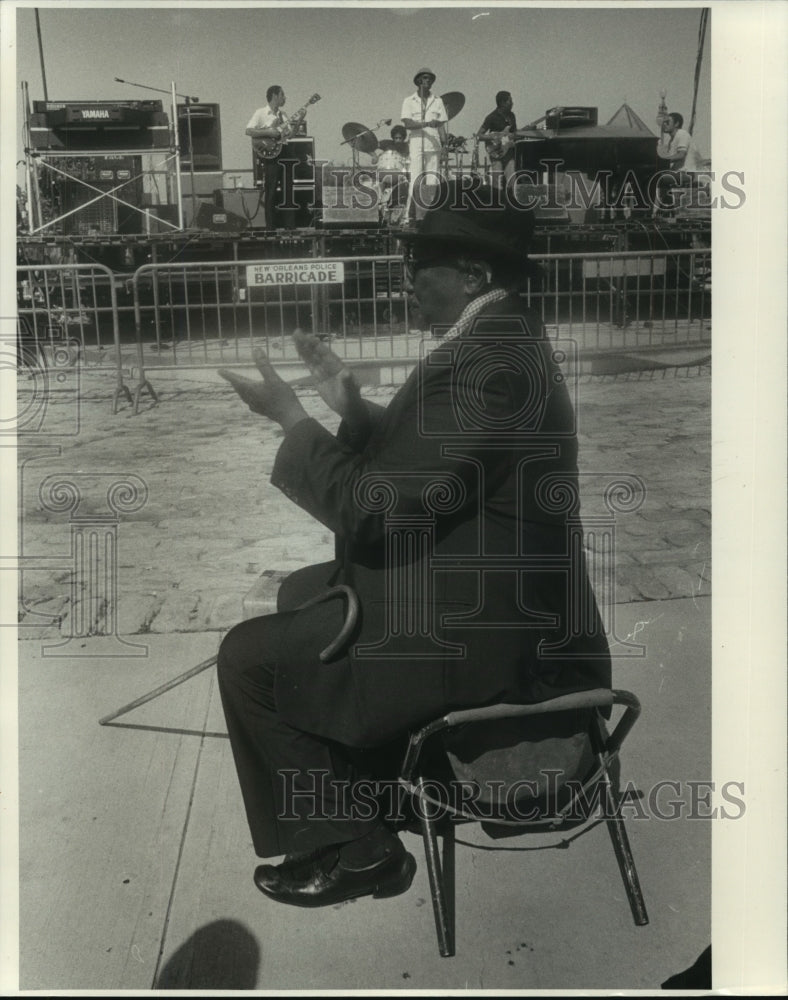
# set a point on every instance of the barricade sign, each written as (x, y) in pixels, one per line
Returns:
(624, 267)
(295, 273)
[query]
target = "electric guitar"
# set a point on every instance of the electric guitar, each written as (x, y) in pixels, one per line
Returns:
(497, 143)
(268, 148)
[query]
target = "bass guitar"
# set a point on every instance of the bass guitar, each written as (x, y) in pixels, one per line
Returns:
(268, 148)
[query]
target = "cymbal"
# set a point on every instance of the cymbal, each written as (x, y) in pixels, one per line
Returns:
(454, 102)
(398, 147)
(360, 137)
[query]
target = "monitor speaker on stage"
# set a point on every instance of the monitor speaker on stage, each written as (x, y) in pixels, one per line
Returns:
(218, 220)
(247, 203)
(206, 136)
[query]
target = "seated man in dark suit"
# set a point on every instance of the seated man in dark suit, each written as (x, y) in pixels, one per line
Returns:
(443, 505)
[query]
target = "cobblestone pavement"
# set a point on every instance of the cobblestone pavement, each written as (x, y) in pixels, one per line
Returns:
(212, 523)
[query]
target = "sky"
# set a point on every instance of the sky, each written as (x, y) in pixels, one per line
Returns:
(361, 60)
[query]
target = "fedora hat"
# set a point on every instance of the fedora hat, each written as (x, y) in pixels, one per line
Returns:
(478, 220)
(421, 72)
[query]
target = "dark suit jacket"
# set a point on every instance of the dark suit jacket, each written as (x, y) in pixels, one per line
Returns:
(455, 523)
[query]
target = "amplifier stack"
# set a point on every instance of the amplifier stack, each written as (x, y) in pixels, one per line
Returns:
(297, 161)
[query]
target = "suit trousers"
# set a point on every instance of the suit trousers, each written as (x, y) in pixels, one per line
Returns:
(298, 789)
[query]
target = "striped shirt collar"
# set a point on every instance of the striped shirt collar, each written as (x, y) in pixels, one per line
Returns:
(469, 313)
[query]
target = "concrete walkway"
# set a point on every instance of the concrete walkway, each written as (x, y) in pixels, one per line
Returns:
(136, 861)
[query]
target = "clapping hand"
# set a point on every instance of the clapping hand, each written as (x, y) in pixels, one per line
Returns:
(272, 398)
(333, 380)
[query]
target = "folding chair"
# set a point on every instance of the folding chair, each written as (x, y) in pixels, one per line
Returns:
(557, 752)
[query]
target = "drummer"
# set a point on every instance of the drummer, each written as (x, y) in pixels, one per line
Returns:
(395, 151)
(392, 166)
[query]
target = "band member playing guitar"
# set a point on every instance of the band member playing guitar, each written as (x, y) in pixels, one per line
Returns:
(269, 130)
(500, 126)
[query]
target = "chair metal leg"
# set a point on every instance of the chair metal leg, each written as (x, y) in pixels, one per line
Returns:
(439, 903)
(449, 881)
(626, 863)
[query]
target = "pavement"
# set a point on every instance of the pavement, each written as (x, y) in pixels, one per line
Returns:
(206, 523)
(135, 859)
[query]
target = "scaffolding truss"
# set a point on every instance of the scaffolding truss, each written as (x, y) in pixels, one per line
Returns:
(39, 161)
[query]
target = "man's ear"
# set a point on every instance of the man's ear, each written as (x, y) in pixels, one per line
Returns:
(477, 277)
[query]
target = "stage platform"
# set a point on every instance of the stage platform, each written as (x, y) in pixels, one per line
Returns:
(125, 252)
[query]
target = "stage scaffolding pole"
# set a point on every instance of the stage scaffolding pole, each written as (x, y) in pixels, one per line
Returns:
(177, 146)
(31, 173)
(41, 55)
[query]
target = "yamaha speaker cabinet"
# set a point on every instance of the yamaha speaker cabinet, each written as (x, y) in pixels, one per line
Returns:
(99, 125)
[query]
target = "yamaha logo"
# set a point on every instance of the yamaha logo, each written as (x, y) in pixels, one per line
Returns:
(95, 113)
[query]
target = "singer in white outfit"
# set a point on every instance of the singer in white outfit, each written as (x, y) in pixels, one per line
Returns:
(424, 116)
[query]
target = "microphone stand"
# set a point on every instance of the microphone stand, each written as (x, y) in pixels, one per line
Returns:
(189, 101)
(367, 131)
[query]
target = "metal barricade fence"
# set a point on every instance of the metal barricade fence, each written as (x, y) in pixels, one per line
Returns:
(67, 315)
(628, 300)
(208, 313)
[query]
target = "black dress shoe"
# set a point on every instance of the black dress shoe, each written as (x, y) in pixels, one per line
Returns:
(295, 866)
(324, 877)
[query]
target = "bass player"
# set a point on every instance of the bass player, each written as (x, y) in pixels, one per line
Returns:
(500, 145)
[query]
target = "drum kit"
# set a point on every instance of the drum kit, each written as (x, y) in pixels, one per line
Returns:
(391, 183)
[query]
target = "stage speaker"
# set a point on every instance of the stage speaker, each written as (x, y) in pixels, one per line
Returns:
(218, 220)
(100, 126)
(190, 209)
(297, 159)
(158, 217)
(119, 174)
(206, 136)
(244, 202)
(205, 183)
(296, 174)
(570, 117)
(340, 208)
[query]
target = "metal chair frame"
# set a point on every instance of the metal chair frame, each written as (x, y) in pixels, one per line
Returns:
(412, 779)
